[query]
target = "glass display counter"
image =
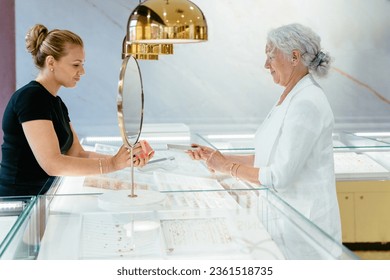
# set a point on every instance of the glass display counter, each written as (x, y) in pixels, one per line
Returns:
(362, 169)
(356, 157)
(15, 214)
(169, 170)
(200, 214)
(344, 141)
(362, 164)
(360, 158)
(240, 224)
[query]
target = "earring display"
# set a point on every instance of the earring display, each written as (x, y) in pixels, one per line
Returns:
(170, 235)
(197, 235)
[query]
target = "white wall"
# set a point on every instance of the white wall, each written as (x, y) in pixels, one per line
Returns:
(222, 81)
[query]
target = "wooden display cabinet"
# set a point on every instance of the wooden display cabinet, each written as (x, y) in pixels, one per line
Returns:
(364, 209)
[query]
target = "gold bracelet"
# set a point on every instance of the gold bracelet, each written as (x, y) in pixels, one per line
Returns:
(231, 169)
(100, 166)
(238, 166)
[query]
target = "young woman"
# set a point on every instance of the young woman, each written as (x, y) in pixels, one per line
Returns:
(39, 140)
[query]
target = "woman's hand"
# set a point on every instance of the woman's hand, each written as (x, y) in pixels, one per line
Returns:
(201, 153)
(142, 153)
(214, 159)
(121, 159)
(218, 162)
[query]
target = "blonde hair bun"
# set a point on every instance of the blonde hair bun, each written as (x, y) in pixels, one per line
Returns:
(35, 37)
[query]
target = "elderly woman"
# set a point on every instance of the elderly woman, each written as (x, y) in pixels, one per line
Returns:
(293, 146)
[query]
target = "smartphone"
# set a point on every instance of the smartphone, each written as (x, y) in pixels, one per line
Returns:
(183, 148)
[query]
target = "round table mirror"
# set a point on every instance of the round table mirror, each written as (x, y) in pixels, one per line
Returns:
(130, 105)
(130, 102)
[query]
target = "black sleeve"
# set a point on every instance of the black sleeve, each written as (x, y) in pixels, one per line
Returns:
(32, 104)
(65, 110)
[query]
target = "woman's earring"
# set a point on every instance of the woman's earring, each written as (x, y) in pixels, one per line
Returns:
(293, 60)
(51, 69)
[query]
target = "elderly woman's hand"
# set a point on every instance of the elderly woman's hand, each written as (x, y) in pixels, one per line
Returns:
(218, 162)
(214, 159)
(201, 153)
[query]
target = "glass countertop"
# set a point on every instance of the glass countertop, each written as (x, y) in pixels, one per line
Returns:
(243, 142)
(357, 156)
(248, 224)
(169, 170)
(347, 141)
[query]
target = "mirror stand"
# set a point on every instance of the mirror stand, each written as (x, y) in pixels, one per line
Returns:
(132, 194)
(130, 104)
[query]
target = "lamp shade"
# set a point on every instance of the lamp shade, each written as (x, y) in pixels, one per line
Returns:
(166, 22)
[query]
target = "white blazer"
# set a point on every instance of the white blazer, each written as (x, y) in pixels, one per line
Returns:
(294, 151)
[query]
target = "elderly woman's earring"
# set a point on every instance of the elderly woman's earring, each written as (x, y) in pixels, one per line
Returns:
(51, 69)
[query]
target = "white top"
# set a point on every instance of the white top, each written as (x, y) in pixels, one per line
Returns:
(294, 151)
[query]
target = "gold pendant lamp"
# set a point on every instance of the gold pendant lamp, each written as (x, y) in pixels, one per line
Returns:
(155, 25)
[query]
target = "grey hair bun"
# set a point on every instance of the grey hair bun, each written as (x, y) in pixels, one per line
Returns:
(320, 64)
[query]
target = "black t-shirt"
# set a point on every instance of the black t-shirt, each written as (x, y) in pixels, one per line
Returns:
(19, 168)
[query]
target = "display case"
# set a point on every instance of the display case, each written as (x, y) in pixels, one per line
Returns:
(169, 170)
(194, 209)
(362, 165)
(209, 224)
(15, 216)
(362, 169)
(198, 215)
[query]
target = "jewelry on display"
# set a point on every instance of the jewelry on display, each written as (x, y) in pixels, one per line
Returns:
(184, 235)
